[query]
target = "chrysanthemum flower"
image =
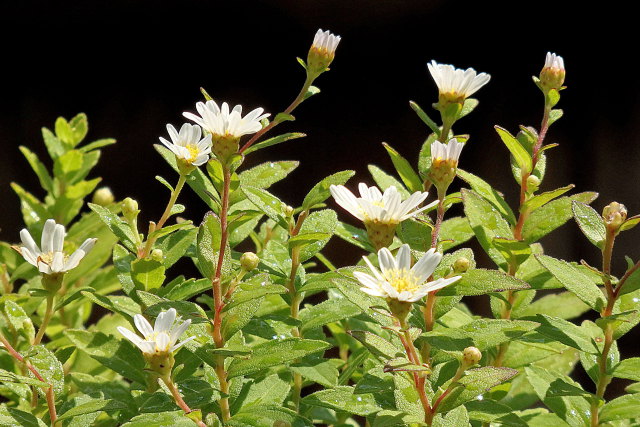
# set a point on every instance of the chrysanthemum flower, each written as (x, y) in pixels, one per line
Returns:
(397, 280)
(188, 145)
(455, 84)
(444, 161)
(162, 337)
(51, 259)
(380, 212)
(322, 51)
(226, 126)
(553, 73)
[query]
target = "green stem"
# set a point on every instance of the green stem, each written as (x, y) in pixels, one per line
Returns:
(418, 380)
(439, 217)
(178, 399)
(45, 320)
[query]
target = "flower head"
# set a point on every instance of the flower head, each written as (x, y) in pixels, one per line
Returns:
(455, 84)
(162, 337)
(222, 122)
(444, 161)
(553, 73)
(188, 145)
(51, 259)
(322, 51)
(397, 280)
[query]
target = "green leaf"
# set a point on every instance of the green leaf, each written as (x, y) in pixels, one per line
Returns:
(53, 144)
(161, 419)
(554, 115)
(208, 244)
(455, 418)
(117, 226)
(354, 235)
(404, 169)
(519, 153)
(572, 279)
(623, 408)
(324, 373)
(256, 287)
(574, 410)
(487, 223)
(147, 274)
(425, 118)
(342, 398)
(473, 384)
(480, 281)
(14, 417)
(41, 171)
(175, 245)
(273, 141)
(237, 316)
(628, 368)
(10, 377)
(514, 251)
(96, 405)
(380, 347)
(456, 231)
(33, 210)
(564, 305)
(331, 310)
(565, 332)
(274, 353)
(267, 203)
(590, 222)
(384, 181)
(97, 144)
(469, 105)
(320, 192)
(491, 195)
(316, 231)
(544, 198)
(64, 132)
(544, 220)
(48, 366)
(266, 174)
(266, 415)
(118, 355)
(19, 320)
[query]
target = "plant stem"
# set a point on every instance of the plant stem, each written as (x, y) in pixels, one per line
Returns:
(165, 216)
(436, 228)
(45, 320)
(49, 393)
(288, 110)
(418, 380)
(178, 398)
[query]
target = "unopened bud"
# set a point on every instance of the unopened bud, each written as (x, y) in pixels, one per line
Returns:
(103, 196)
(553, 72)
(249, 261)
(130, 208)
(322, 52)
(471, 356)
(461, 265)
(157, 255)
(614, 214)
(533, 183)
(288, 211)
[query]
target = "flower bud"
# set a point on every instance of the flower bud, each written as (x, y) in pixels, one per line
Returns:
(533, 183)
(614, 215)
(157, 255)
(461, 265)
(288, 211)
(103, 196)
(249, 261)
(399, 309)
(471, 356)
(322, 52)
(444, 162)
(130, 208)
(553, 72)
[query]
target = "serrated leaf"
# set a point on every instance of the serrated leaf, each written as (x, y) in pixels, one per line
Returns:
(161, 419)
(404, 169)
(456, 231)
(315, 232)
(238, 316)
(268, 204)
(266, 415)
(274, 353)
(324, 373)
(590, 222)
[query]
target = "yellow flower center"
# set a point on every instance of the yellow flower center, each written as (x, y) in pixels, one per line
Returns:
(193, 153)
(402, 280)
(47, 258)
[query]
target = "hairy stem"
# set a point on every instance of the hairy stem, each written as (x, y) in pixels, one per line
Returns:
(48, 313)
(178, 399)
(436, 228)
(418, 379)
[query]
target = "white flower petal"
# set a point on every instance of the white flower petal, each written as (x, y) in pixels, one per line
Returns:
(46, 242)
(164, 321)
(143, 325)
(426, 265)
(28, 242)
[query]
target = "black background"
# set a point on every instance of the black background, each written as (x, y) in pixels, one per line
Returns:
(134, 66)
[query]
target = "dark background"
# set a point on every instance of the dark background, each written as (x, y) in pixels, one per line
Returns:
(134, 66)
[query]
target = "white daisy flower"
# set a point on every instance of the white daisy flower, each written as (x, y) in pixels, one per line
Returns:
(553, 73)
(51, 259)
(374, 206)
(397, 280)
(224, 123)
(162, 337)
(554, 61)
(455, 82)
(449, 153)
(326, 42)
(187, 144)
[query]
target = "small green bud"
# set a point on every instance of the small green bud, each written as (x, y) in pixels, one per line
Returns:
(461, 265)
(614, 215)
(130, 208)
(249, 261)
(157, 255)
(533, 183)
(471, 356)
(52, 282)
(399, 309)
(103, 196)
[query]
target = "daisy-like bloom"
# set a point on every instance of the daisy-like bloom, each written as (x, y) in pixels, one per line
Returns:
(397, 280)
(226, 126)
(322, 51)
(553, 72)
(187, 145)
(444, 161)
(51, 259)
(455, 84)
(162, 337)
(380, 212)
